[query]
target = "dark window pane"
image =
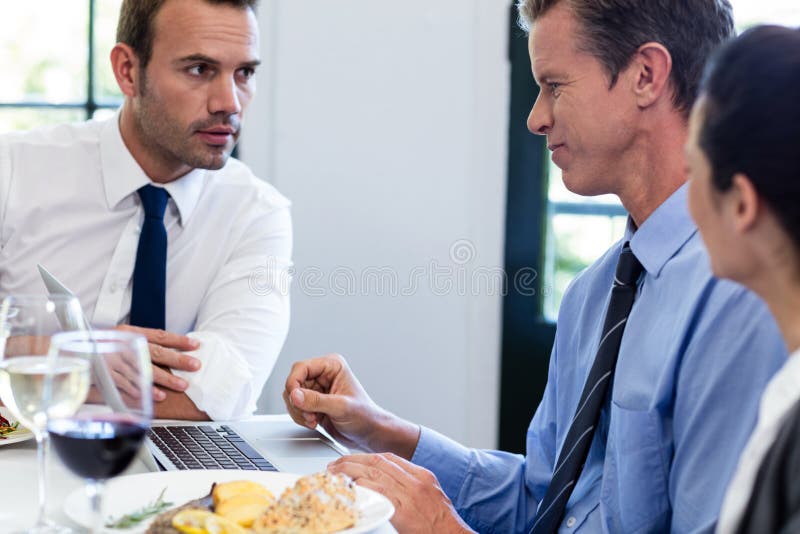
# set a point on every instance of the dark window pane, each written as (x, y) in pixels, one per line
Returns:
(43, 51)
(105, 29)
(14, 119)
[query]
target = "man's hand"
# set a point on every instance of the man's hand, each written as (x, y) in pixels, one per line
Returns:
(165, 353)
(325, 391)
(420, 503)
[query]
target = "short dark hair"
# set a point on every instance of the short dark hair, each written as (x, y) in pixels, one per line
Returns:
(136, 17)
(751, 122)
(614, 29)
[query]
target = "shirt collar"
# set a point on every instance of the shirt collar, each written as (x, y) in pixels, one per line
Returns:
(122, 175)
(185, 191)
(664, 232)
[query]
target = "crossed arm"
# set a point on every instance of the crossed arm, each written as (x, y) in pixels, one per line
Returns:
(168, 351)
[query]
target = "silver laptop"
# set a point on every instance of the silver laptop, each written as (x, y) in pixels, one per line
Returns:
(245, 445)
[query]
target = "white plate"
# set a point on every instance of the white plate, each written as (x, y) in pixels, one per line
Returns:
(124, 495)
(20, 434)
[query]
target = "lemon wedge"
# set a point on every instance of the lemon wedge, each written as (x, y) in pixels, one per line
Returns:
(219, 525)
(191, 521)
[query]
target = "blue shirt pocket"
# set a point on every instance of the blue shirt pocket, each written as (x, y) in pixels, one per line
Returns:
(636, 473)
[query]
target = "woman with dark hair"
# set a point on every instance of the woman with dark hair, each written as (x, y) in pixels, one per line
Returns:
(743, 156)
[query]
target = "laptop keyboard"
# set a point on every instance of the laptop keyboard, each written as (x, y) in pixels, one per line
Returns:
(206, 447)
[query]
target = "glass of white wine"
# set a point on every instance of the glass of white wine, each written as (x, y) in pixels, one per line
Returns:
(36, 383)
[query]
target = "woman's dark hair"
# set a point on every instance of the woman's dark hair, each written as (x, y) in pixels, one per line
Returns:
(752, 118)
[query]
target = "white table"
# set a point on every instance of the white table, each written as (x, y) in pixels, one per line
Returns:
(19, 492)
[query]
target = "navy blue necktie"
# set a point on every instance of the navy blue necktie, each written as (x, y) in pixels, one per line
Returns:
(150, 272)
(579, 436)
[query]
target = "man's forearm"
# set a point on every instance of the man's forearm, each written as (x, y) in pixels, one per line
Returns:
(178, 406)
(394, 434)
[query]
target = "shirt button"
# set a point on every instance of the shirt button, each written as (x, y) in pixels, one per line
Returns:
(571, 522)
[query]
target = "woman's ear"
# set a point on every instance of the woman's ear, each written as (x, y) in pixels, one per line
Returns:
(125, 64)
(652, 65)
(746, 204)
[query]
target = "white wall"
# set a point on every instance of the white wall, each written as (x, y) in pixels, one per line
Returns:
(385, 123)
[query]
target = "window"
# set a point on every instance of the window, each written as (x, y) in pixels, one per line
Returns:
(580, 229)
(55, 62)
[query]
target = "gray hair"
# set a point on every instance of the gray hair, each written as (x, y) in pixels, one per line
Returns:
(612, 31)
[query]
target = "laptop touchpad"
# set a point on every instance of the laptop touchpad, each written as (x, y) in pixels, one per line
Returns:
(297, 448)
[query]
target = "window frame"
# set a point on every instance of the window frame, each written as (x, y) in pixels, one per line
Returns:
(527, 334)
(527, 337)
(91, 104)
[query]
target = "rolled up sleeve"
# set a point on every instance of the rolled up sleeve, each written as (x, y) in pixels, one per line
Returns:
(243, 320)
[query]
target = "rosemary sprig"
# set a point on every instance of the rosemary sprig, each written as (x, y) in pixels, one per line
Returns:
(134, 518)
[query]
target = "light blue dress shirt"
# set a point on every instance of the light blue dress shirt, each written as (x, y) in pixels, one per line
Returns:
(696, 355)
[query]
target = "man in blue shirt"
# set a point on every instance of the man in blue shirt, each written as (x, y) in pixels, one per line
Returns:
(617, 81)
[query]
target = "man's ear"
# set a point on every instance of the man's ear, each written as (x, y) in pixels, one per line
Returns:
(747, 206)
(650, 69)
(126, 67)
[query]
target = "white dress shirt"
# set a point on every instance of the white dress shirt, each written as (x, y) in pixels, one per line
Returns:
(781, 394)
(68, 201)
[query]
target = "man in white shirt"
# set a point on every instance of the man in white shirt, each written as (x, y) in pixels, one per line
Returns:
(71, 199)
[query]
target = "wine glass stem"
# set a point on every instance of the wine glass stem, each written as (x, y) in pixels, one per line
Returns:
(94, 489)
(42, 450)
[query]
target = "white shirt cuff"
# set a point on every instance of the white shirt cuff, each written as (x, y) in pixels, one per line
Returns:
(223, 386)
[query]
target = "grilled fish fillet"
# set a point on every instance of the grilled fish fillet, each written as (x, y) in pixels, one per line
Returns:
(162, 524)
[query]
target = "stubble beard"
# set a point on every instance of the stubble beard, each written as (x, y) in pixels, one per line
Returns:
(168, 141)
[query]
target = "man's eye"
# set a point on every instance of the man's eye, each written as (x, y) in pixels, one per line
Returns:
(554, 87)
(247, 72)
(197, 70)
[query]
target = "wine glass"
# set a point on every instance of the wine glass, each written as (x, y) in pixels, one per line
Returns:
(35, 386)
(103, 438)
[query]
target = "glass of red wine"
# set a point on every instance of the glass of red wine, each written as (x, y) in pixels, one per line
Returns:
(102, 439)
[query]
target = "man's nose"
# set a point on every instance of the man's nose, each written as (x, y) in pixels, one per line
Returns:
(224, 97)
(540, 120)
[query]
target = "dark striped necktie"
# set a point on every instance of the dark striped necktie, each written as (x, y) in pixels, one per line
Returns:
(150, 272)
(579, 437)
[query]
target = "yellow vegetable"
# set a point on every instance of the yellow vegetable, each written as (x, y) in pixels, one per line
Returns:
(244, 509)
(223, 492)
(191, 521)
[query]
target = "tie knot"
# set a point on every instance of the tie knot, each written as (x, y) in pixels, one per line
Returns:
(628, 267)
(154, 201)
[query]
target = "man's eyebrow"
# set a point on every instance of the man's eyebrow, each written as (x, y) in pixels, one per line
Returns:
(546, 76)
(198, 57)
(211, 61)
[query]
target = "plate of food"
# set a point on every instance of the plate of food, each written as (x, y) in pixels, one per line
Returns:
(10, 429)
(233, 502)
